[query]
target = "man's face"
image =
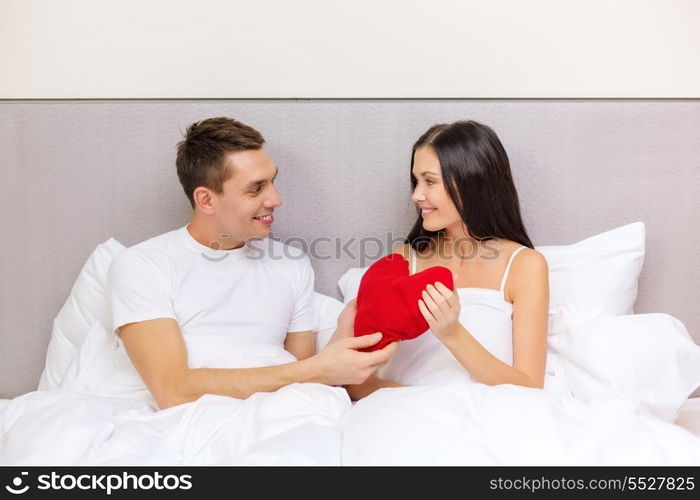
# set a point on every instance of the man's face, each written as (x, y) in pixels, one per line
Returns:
(245, 208)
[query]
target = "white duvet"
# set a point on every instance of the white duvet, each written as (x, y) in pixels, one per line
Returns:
(102, 414)
(295, 425)
(474, 424)
(613, 387)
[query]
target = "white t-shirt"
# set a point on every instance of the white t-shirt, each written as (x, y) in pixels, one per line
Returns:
(257, 293)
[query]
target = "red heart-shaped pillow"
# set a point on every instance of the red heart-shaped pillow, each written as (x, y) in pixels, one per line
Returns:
(387, 301)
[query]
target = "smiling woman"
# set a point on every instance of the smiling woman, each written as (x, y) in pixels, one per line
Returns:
(494, 323)
(471, 380)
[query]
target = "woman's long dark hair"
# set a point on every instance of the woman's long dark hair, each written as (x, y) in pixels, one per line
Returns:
(476, 173)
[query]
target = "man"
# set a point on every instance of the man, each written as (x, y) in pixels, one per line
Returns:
(205, 279)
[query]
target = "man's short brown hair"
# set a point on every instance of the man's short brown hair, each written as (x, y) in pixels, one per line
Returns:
(201, 156)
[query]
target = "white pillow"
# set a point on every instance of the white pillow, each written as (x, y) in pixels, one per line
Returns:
(349, 283)
(86, 304)
(599, 272)
(326, 311)
(649, 359)
(101, 367)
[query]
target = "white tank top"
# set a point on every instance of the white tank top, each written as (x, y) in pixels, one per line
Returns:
(485, 313)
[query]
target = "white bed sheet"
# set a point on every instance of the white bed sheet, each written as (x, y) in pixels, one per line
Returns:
(475, 424)
(102, 414)
(689, 416)
(297, 425)
(688, 419)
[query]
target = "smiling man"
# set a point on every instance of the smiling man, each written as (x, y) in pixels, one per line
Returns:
(202, 281)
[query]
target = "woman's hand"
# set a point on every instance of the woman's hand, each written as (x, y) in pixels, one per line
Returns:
(440, 308)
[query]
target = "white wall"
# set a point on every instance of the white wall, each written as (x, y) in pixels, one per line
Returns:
(358, 48)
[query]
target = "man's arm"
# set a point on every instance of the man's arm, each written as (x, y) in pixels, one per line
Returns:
(301, 345)
(157, 350)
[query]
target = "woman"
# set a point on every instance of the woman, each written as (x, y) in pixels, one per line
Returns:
(495, 322)
(492, 329)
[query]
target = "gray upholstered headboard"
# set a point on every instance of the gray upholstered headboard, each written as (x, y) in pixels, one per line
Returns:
(75, 173)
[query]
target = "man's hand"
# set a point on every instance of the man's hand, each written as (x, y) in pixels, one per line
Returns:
(341, 364)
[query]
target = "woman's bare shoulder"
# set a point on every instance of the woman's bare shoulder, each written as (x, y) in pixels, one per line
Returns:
(533, 258)
(530, 264)
(529, 272)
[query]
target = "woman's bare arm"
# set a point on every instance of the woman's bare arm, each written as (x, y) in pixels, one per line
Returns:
(530, 315)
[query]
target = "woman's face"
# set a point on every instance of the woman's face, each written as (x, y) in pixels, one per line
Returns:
(437, 208)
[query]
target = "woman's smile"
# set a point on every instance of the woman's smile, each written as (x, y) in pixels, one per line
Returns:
(426, 211)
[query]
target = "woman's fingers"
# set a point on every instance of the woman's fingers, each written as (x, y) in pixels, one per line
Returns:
(438, 298)
(430, 302)
(449, 295)
(442, 289)
(425, 312)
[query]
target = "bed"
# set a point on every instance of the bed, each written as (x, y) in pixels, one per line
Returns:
(566, 160)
